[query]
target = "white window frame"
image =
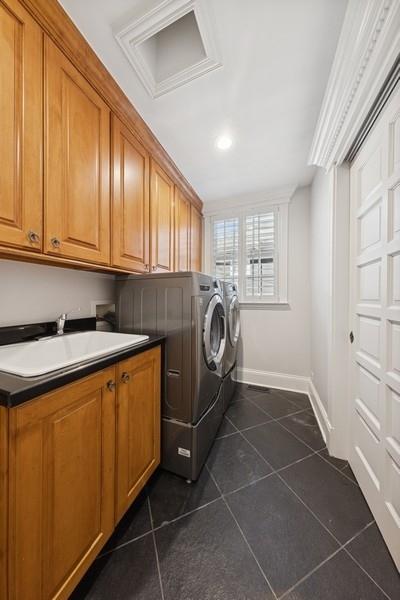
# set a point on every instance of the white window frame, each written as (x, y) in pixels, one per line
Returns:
(281, 211)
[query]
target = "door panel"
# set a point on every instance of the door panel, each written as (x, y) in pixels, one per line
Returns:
(196, 232)
(131, 209)
(375, 454)
(162, 220)
(21, 128)
(62, 486)
(182, 231)
(138, 425)
(77, 163)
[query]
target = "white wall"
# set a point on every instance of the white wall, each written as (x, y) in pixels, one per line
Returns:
(32, 293)
(320, 278)
(276, 340)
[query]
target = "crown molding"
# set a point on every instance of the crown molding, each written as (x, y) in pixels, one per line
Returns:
(258, 199)
(368, 46)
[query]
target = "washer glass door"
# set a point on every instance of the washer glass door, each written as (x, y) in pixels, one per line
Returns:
(214, 333)
(234, 321)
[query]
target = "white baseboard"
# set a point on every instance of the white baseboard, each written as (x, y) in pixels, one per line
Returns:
(283, 381)
(293, 383)
(320, 413)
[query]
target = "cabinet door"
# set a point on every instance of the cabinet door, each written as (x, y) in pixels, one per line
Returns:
(196, 233)
(162, 220)
(77, 163)
(61, 505)
(130, 201)
(182, 231)
(138, 425)
(21, 128)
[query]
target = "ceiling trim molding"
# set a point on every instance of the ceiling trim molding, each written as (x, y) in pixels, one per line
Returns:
(368, 46)
(140, 29)
(253, 200)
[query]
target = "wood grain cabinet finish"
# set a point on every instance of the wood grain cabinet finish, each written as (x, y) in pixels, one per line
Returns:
(77, 163)
(20, 128)
(61, 507)
(196, 234)
(138, 425)
(182, 231)
(130, 201)
(161, 220)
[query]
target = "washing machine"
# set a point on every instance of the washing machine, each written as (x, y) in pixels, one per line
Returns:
(188, 308)
(232, 311)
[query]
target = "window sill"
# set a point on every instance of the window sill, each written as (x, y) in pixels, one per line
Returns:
(264, 305)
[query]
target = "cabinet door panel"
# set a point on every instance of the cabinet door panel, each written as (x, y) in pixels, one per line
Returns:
(62, 486)
(77, 163)
(162, 220)
(138, 425)
(182, 231)
(21, 128)
(196, 233)
(131, 209)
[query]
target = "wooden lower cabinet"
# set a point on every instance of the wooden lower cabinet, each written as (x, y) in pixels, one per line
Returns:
(75, 459)
(138, 425)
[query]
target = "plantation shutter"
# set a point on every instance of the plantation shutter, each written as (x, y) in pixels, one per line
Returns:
(260, 257)
(226, 249)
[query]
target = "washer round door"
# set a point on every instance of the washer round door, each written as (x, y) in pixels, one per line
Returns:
(234, 321)
(214, 333)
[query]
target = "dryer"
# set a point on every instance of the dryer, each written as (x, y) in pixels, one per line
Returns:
(188, 308)
(231, 303)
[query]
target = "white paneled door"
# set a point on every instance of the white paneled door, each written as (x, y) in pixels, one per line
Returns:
(375, 322)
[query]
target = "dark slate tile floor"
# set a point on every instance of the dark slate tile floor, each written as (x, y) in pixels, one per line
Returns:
(272, 516)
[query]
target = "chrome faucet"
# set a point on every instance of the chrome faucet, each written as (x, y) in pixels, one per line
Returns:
(60, 321)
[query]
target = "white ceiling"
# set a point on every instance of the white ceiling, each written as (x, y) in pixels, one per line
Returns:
(276, 57)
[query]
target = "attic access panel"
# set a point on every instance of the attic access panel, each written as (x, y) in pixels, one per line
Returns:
(170, 45)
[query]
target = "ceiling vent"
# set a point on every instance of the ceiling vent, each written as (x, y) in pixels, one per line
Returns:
(170, 45)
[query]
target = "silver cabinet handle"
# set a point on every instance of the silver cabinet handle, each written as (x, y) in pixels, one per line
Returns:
(55, 242)
(111, 385)
(33, 237)
(125, 377)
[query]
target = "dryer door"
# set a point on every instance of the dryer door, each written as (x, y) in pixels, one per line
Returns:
(234, 321)
(214, 333)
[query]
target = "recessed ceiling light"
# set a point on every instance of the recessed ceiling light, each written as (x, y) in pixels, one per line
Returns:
(223, 142)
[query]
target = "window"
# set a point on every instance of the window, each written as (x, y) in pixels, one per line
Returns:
(250, 249)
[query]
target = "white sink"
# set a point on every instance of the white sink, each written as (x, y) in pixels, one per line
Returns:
(29, 359)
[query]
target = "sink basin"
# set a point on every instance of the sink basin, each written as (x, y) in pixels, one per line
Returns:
(29, 359)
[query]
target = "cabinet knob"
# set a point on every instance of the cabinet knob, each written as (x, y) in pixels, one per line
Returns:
(33, 237)
(154, 267)
(55, 242)
(125, 377)
(147, 267)
(111, 385)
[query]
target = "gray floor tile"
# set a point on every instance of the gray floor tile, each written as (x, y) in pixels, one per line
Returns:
(371, 552)
(129, 573)
(304, 425)
(203, 557)
(234, 463)
(349, 473)
(170, 495)
(245, 414)
(338, 579)
(298, 398)
(336, 501)
(134, 523)
(274, 405)
(225, 428)
(276, 445)
(287, 540)
(336, 462)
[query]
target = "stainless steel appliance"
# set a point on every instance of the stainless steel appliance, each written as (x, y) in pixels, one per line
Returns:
(231, 303)
(188, 308)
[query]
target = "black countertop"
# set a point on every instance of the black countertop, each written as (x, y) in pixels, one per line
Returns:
(15, 390)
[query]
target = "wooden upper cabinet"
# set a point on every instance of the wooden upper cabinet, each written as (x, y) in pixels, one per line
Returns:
(62, 482)
(161, 220)
(77, 163)
(130, 201)
(20, 127)
(182, 231)
(196, 236)
(137, 425)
